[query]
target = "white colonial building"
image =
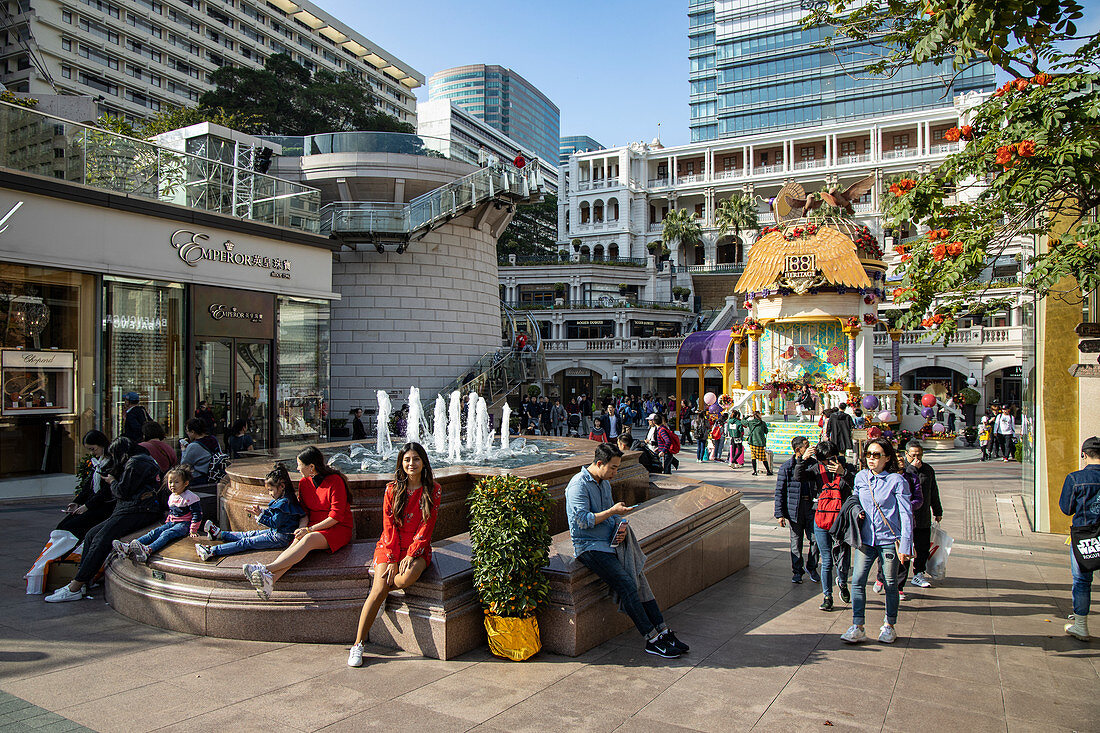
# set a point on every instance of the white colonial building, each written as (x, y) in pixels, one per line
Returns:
(611, 315)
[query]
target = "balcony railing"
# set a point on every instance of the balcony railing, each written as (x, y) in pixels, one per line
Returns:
(973, 336)
(376, 142)
(762, 169)
(853, 158)
(807, 164)
(903, 153)
(942, 148)
(658, 182)
(728, 268)
(561, 347)
(734, 173)
(539, 261)
(603, 302)
(30, 141)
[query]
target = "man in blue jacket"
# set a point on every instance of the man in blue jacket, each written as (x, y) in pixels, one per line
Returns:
(595, 521)
(1081, 498)
(795, 489)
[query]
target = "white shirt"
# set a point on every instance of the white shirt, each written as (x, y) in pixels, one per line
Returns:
(1004, 425)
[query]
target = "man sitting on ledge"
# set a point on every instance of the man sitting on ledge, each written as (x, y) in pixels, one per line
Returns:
(595, 522)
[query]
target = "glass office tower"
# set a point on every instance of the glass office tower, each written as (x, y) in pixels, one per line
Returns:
(504, 100)
(573, 144)
(753, 68)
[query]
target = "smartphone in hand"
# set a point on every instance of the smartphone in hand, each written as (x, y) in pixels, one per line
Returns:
(620, 534)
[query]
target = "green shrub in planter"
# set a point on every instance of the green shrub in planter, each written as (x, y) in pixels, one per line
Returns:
(510, 539)
(971, 396)
(1019, 452)
(534, 391)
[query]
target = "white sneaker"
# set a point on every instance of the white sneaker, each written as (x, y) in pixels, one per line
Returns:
(203, 552)
(138, 551)
(887, 635)
(212, 530)
(63, 594)
(921, 581)
(260, 578)
(879, 587)
(853, 635)
(355, 656)
(119, 547)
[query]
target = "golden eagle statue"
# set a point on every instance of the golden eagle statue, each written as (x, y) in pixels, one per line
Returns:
(815, 255)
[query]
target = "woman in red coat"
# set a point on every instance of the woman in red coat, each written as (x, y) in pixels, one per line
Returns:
(328, 524)
(409, 511)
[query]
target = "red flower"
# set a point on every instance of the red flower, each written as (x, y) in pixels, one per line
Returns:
(1041, 79)
(966, 132)
(907, 184)
(895, 190)
(1004, 155)
(1082, 245)
(952, 135)
(1021, 84)
(906, 257)
(900, 249)
(927, 323)
(797, 231)
(955, 249)
(933, 235)
(899, 292)
(1025, 148)
(937, 319)
(939, 252)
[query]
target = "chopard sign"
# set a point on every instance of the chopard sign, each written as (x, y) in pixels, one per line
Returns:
(189, 247)
(218, 312)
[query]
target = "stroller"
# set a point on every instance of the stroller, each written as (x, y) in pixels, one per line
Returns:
(574, 423)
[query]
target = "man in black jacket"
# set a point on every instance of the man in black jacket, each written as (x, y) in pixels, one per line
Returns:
(794, 505)
(923, 515)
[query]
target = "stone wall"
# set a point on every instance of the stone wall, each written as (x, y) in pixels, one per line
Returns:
(421, 317)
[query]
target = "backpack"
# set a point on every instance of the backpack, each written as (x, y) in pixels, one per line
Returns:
(673, 441)
(716, 431)
(219, 462)
(829, 501)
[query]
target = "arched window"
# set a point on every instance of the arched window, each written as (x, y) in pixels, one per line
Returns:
(613, 210)
(597, 253)
(597, 211)
(586, 213)
(729, 250)
(613, 252)
(700, 254)
(586, 254)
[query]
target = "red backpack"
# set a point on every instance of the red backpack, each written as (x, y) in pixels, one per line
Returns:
(673, 441)
(829, 501)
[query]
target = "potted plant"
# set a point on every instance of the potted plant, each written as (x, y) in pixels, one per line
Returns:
(658, 250)
(510, 543)
(559, 294)
(970, 399)
(534, 390)
(623, 287)
(576, 244)
(970, 434)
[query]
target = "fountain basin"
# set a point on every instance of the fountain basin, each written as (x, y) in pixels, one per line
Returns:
(694, 534)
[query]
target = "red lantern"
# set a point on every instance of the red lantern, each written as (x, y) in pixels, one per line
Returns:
(519, 162)
(928, 400)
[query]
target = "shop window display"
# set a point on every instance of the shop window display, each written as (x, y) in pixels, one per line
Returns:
(303, 370)
(48, 368)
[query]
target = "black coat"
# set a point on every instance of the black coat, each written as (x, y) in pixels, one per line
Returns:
(794, 498)
(846, 528)
(922, 515)
(136, 416)
(839, 431)
(137, 486)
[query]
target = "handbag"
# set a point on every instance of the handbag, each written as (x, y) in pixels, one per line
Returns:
(1086, 546)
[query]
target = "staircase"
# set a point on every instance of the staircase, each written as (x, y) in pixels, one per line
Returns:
(497, 374)
(781, 433)
(367, 221)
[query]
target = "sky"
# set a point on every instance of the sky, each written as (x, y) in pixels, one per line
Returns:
(614, 68)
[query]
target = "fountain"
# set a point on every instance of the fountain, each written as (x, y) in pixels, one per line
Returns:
(694, 534)
(505, 429)
(416, 415)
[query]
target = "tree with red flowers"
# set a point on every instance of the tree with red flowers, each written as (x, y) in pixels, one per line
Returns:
(1029, 173)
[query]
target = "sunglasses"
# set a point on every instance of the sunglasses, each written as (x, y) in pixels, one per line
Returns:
(874, 454)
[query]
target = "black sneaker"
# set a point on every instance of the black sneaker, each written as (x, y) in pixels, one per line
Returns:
(797, 579)
(815, 576)
(679, 645)
(845, 594)
(827, 604)
(662, 647)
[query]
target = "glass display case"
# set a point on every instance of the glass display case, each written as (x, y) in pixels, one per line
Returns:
(37, 382)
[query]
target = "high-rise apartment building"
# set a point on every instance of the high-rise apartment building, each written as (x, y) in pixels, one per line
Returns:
(754, 68)
(505, 100)
(141, 57)
(575, 144)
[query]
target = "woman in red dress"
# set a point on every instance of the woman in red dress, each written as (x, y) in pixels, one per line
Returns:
(409, 511)
(328, 524)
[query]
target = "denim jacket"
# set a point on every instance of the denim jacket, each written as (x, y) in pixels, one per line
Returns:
(891, 492)
(282, 515)
(1081, 496)
(584, 496)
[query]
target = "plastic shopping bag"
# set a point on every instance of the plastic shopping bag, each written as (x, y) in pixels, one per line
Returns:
(941, 548)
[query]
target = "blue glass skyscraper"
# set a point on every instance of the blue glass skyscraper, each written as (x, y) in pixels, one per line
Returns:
(504, 100)
(753, 68)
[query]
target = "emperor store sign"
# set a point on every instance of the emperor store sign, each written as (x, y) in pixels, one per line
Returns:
(189, 247)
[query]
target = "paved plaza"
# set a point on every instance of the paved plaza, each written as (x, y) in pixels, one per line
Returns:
(984, 652)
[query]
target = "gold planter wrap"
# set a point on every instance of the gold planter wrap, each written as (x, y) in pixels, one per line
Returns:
(513, 638)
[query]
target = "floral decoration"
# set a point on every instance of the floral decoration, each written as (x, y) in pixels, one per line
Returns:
(851, 322)
(836, 355)
(870, 319)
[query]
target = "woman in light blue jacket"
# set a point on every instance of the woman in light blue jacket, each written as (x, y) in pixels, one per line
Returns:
(886, 529)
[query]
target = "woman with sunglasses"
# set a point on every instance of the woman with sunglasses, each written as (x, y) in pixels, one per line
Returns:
(886, 530)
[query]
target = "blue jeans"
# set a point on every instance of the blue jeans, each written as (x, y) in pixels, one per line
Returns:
(701, 449)
(646, 616)
(718, 449)
(865, 557)
(1082, 587)
(160, 537)
(825, 551)
(257, 539)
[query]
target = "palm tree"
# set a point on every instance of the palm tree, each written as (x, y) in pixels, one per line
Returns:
(736, 214)
(682, 225)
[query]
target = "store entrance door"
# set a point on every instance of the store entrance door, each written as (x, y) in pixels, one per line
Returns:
(233, 376)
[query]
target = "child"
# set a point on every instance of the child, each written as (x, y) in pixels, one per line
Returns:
(409, 510)
(718, 437)
(598, 434)
(282, 516)
(985, 437)
(184, 519)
